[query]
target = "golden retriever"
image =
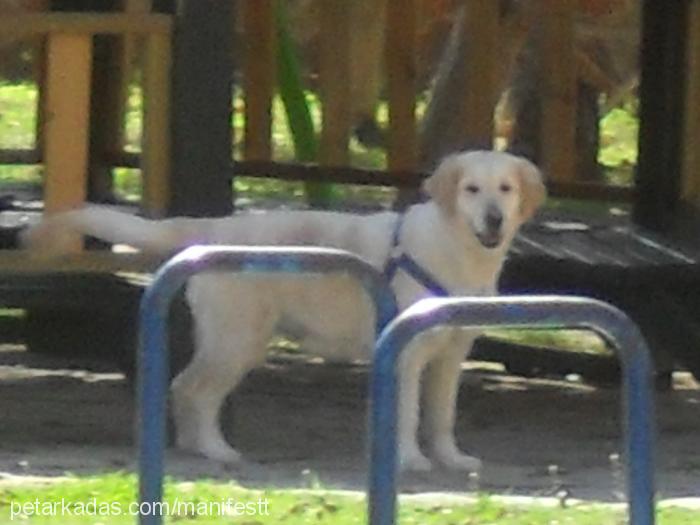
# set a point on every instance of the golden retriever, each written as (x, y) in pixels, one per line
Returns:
(459, 237)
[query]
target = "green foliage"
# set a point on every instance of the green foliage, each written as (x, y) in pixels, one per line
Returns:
(618, 143)
(296, 106)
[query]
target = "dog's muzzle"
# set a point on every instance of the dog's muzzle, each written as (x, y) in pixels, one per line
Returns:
(492, 236)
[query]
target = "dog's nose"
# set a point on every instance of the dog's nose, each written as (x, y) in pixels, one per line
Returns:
(494, 219)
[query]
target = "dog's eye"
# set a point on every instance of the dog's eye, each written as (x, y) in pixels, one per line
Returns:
(472, 188)
(505, 188)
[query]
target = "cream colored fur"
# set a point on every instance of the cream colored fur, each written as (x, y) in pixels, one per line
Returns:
(235, 316)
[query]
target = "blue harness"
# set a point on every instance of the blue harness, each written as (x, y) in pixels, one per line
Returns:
(404, 262)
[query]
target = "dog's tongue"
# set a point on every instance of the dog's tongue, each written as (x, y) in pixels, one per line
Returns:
(490, 240)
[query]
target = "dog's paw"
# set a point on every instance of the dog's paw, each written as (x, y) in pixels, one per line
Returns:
(221, 452)
(453, 459)
(413, 460)
(214, 449)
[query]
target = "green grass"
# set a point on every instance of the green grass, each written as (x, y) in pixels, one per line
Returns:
(570, 340)
(17, 129)
(17, 115)
(109, 500)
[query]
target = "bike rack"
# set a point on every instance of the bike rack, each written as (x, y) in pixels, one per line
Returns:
(512, 312)
(154, 308)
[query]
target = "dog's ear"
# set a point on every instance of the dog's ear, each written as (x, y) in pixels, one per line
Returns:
(532, 189)
(441, 186)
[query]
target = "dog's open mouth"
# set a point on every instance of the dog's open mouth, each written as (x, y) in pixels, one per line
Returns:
(490, 239)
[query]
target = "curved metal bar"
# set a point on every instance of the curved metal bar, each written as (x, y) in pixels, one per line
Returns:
(515, 312)
(154, 308)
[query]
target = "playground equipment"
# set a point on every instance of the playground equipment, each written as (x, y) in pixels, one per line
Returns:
(153, 369)
(522, 312)
(187, 164)
(542, 311)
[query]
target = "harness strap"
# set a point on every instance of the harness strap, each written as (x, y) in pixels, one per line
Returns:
(404, 262)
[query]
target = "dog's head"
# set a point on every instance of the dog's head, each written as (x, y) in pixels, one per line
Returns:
(490, 193)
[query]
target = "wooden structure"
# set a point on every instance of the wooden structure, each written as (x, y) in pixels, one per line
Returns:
(204, 54)
(186, 154)
(66, 136)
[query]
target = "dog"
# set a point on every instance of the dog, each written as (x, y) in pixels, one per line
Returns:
(458, 239)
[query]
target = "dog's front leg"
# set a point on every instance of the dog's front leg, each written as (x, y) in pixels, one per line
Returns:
(411, 364)
(441, 385)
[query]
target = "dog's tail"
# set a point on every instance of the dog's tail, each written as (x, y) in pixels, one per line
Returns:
(51, 235)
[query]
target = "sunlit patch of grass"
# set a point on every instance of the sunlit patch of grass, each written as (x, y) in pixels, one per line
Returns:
(109, 499)
(571, 340)
(18, 104)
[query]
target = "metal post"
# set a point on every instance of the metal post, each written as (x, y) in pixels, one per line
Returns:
(531, 312)
(155, 304)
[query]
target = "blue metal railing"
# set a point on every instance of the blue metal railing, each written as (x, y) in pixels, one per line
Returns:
(155, 305)
(530, 312)
(549, 312)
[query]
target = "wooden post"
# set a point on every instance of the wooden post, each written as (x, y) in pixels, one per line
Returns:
(461, 111)
(106, 97)
(401, 83)
(557, 81)
(335, 82)
(661, 105)
(482, 28)
(259, 76)
(107, 113)
(67, 124)
(155, 156)
(691, 153)
(128, 48)
(201, 109)
(131, 41)
(39, 69)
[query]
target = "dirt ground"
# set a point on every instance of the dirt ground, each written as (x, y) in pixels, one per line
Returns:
(302, 424)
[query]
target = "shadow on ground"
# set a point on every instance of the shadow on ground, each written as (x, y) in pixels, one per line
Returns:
(302, 423)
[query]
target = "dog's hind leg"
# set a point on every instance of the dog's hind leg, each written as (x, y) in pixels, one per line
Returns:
(198, 393)
(230, 342)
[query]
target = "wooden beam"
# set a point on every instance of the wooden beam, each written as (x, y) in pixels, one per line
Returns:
(661, 108)
(28, 25)
(557, 81)
(67, 127)
(409, 179)
(691, 153)
(20, 156)
(201, 109)
(401, 41)
(334, 77)
(155, 167)
(259, 73)
(482, 28)
(19, 262)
